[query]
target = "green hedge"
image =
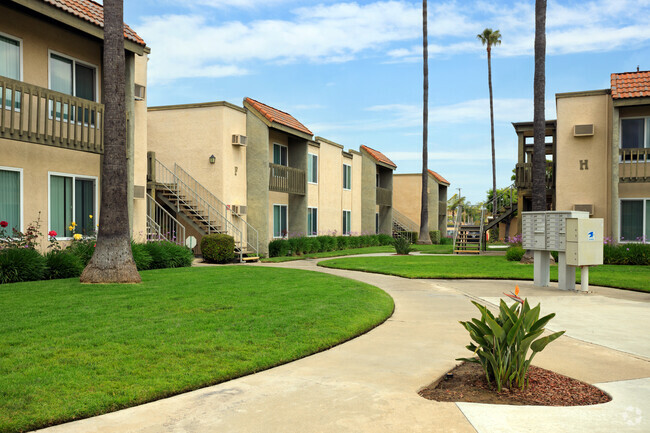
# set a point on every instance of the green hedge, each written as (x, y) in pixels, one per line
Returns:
(309, 245)
(62, 264)
(218, 248)
(21, 264)
(435, 237)
(514, 254)
(626, 254)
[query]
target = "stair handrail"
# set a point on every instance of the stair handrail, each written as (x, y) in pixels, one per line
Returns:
(229, 227)
(252, 237)
(459, 213)
(404, 221)
(502, 199)
(154, 210)
(481, 232)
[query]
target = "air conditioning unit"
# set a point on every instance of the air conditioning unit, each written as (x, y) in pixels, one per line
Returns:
(584, 208)
(238, 140)
(139, 92)
(234, 209)
(583, 130)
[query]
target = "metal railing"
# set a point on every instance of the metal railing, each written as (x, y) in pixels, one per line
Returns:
(402, 224)
(482, 230)
(212, 220)
(524, 175)
(38, 115)
(384, 196)
(457, 221)
(252, 238)
(161, 225)
(287, 179)
(634, 165)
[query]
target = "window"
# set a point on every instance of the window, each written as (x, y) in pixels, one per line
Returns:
(347, 176)
(635, 220)
(346, 222)
(11, 198)
(279, 220)
(10, 65)
(635, 134)
(312, 221)
(72, 199)
(280, 154)
(376, 222)
(377, 180)
(73, 78)
(312, 168)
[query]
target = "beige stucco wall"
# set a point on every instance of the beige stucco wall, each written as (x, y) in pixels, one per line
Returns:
(573, 184)
(356, 195)
(407, 195)
(140, 152)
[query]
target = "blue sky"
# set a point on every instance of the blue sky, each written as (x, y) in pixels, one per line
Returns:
(352, 71)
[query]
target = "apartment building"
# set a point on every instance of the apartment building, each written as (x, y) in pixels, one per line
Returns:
(51, 124)
(408, 201)
(597, 155)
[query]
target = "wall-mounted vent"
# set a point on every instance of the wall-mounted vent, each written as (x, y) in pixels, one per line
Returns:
(584, 208)
(139, 92)
(583, 130)
(238, 140)
(238, 209)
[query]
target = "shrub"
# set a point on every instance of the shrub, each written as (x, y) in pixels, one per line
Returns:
(435, 237)
(342, 242)
(83, 249)
(446, 241)
(141, 256)
(279, 248)
(504, 341)
(385, 239)
(354, 242)
(412, 236)
(373, 241)
(165, 254)
(515, 253)
(312, 245)
(298, 245)
(218, 248)
(62, 264)
(21, 264)
(402, 245)
(626, 254)
(327, 243)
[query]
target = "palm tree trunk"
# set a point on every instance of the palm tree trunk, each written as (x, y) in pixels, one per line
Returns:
(494, 166)
(539, 121)
(423, 237)
(112, 261)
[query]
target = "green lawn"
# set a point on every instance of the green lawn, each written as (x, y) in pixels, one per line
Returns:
(488, 267)
(71, 351)
(424, 249)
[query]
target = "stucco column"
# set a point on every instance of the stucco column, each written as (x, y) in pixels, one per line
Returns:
(385, 212)
(368, 195)
(257, 179)
(615, 205)
(130, 132)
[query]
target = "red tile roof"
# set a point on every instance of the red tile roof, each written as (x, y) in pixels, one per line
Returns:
(275, 115)
(439, 178)
(631, 85)
(379, 156)
(92, 12)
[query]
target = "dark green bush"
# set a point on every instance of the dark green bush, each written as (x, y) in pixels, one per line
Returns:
(435, 237)
(279, 248)
(446, 241)
(62, 264)
(554, 254)
(353, 242)
(327, 243)
(385, 239)
(374, 241)
(165, 254)
(626, 254)
(342, 242)
(218, 248)
(515, 253)
(21, 264)
(312, 245)
(83, 249)
(141, 256)
(402, 245)
(298, 245)
(364, 241)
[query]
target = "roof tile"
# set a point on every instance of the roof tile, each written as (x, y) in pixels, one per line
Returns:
(631, 85)
(92, 12)
(379, 156)
(275, 115)
(439, 178)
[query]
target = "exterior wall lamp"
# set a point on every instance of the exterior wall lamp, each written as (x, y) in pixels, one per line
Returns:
(212, 159)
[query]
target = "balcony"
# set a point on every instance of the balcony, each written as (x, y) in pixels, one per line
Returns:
(384, 196)
(442, 207)
(634, 165)
(524, 176)
(37, 115)
(287, 179)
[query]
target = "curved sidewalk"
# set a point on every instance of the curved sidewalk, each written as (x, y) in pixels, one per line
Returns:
(370, 384)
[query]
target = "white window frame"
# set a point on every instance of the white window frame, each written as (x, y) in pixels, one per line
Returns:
(646, 139)
(74, 196)
(315, 156)
(343, 225)
(273, 227)
(646, 234)
(22, 194)
(309, 232)
(74, 76)
(349, 177)
(20, 49)
(273, 156)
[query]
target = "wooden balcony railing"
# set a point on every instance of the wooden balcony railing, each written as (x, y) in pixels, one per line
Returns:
(524, 176)
(38, 115)
(634, 165)
(384, 196)
(287, 179)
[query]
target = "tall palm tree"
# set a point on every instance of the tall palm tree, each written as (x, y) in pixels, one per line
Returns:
(112, 261)
(423, 237)
(490, 38)
(539, 121)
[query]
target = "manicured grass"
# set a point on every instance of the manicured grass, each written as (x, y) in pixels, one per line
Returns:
(71, 351)
(488, 267)
(424, 249)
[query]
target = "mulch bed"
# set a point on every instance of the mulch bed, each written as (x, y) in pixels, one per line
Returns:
(545, 388)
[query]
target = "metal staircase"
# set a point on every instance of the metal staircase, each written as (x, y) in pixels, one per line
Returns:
(161, 225)
(200, 209)
(468, 238)
(506, 208)
(402, 225)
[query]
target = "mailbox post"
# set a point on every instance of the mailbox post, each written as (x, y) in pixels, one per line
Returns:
(584, 247)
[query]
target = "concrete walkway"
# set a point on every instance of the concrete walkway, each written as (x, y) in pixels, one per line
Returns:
(370, 384)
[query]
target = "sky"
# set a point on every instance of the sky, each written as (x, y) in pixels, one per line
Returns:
(352, 71)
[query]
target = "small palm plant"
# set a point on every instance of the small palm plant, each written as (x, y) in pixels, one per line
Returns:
(402, 245)
(502, 342)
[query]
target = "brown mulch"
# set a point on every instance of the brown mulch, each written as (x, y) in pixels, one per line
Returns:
(545, 388)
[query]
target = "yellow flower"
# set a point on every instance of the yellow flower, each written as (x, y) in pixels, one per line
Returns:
(77, 236)
(73, 224)
(70, 228)
(90, 216)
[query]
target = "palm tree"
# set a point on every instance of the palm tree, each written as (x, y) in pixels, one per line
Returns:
(424, 237)
(490, 38)
(539, 121)
(112, 261)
